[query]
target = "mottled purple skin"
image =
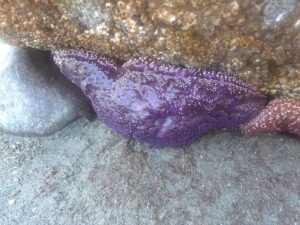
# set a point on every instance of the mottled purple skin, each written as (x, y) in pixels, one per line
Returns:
(159, 103)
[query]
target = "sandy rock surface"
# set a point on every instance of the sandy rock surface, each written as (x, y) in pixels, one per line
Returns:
(85, 174)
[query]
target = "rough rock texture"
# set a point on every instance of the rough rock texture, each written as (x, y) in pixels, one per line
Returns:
(223, 178)
(258, 41)
(159, 103)
(35, 98)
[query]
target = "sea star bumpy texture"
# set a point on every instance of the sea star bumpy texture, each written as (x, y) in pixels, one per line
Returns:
(280, 115)
(156, 102)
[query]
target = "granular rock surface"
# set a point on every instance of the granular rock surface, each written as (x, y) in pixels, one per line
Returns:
(85, 174)
(258, 41)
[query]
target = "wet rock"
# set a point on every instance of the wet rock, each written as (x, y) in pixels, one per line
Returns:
(222, 178)
(35, 98)
(258, 41)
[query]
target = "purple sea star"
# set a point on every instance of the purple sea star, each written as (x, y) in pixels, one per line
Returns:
(156, 102)
(280, 115)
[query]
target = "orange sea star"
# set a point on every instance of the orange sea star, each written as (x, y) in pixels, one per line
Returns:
(280, 115)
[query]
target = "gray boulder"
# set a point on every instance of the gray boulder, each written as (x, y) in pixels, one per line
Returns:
(35, 98)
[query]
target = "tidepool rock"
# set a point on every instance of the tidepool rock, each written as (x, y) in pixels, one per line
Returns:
(258, 41)
(221, 179)
(35, 98)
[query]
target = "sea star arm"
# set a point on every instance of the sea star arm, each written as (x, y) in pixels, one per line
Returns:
(281, 115)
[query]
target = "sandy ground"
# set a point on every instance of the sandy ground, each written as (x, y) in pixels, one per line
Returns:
(86, 174)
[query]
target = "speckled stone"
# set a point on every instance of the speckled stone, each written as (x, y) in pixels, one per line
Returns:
(258, 41)
(86, 175)
(35, 98)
